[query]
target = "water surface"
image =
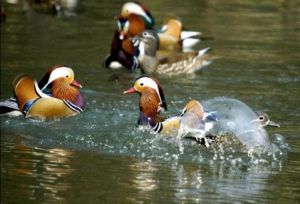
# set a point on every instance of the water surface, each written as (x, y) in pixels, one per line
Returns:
(101, 156)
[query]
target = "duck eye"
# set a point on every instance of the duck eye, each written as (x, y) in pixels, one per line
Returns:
(261, 117)
(142, 84)
(67, 76)
(145, 34)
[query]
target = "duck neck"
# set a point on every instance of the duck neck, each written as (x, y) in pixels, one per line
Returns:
(149, 108)
(148, 63)
(65, 91)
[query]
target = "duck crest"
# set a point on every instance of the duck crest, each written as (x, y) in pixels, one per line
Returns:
(139, 9)
(46, 77)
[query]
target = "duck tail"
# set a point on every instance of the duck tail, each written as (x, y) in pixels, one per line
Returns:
(24, 88)
(189, 34)
(189, 39)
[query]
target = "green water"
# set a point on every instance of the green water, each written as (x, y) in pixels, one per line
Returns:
(100, 156)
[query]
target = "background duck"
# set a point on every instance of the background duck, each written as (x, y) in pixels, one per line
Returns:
(62, 98)
(134, 19)
(181, 63)
(170, 34)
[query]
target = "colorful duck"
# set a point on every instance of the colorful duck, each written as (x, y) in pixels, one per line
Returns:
(134, 19)
(56, 95)
(181, 63)
(152, 101)
(171, 35)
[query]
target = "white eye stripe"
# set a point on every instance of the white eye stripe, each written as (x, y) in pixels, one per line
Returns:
(148, 82)
(136, 9)
(58, 73)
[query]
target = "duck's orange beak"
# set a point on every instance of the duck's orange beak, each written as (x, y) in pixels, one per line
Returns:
(76, 84)
(129, 91)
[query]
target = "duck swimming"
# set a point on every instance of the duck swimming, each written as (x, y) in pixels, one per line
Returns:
(234, 117)
(56, 95)
(182, 63)
(152, 102)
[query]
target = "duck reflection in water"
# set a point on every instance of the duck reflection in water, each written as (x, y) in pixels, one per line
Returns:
(39, 173)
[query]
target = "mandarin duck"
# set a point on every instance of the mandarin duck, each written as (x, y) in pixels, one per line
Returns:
(56, 95)
(122, 52)
(180, 63)
(263, 120)
(170, 34)
(234, 118)
(152, 101)
(171, 37)
(10, 106)
(134, 19)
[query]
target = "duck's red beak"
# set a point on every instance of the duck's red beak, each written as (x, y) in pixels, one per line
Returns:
(122, 35)
(76, 84)
(129, 91)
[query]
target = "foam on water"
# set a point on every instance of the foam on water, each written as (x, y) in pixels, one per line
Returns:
(110, 127)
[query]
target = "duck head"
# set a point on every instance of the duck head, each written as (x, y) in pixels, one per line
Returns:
(151, 101)
(138, 9)
(264, 120)
(62, 85)
(147, 43)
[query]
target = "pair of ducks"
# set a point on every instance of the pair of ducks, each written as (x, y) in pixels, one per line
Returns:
(193, 122)
(135, 44)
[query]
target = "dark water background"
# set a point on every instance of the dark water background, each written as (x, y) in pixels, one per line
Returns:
(101, 157)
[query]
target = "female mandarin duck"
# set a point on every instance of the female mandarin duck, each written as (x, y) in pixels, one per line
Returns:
(56, 95)
(182, 63)
(232, 117)
(152, 101)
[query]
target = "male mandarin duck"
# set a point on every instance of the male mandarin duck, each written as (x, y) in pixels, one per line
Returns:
(181, 63)
(134, 19)
(171, 35)
(56, 95)
(152, 101)
(122, 54)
